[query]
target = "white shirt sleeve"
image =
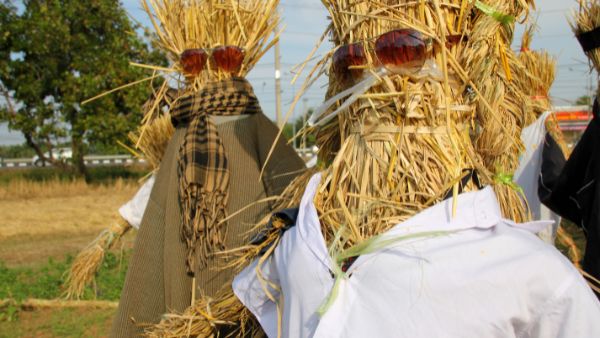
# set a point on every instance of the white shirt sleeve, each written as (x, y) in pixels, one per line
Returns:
(133, 211)
(260, 294)
(574, 311)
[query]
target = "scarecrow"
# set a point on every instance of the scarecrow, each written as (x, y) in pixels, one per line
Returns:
(213, 182)
(575, 193)
(414, 226)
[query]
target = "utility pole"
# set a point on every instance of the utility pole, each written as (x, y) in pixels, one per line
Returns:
(278, 85)
(304, 113)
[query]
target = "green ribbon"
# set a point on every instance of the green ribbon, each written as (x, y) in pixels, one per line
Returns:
(371, 245)
(504, 19)
(508, 180)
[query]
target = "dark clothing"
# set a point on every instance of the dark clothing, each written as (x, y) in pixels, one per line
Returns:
(575, 193)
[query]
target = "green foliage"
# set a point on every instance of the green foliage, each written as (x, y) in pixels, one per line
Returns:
(290, 129)
(56, 54)
(46, 282)
(584, 101)
(16, 151)
(9, 314)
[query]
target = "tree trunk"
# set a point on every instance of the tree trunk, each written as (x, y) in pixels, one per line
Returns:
(77, 146)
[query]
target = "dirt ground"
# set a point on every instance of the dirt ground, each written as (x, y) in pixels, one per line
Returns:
(34, 227)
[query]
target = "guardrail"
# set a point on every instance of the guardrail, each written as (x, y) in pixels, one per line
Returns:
(100, 160)
(90, 160)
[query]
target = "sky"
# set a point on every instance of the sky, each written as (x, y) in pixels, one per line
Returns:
(306, 20)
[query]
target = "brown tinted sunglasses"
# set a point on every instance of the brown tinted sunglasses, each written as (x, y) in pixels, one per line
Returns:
(398, 51)
(226, 58)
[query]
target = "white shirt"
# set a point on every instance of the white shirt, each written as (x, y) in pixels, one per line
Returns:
(488, 279)
(528, 173)
(133, 211)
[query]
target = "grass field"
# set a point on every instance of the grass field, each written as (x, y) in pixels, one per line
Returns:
(44, 222)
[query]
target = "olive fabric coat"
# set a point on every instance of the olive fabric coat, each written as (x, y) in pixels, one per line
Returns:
(157, 282)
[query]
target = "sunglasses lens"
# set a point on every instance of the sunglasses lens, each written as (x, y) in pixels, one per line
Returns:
(193, 61)
(403, 49)
(228, 58)
(347, 56)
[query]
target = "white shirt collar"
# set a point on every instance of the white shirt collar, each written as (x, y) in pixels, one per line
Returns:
(474, 210)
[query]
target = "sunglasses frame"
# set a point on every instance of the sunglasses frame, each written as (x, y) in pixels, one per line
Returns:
(209, 53)
(371, 56)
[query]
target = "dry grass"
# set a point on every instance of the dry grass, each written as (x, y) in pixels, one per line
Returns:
(41, 220)
(21, 189)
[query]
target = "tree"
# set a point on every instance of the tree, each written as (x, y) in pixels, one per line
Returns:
(291, 128)
(584, 101)
(58, 53)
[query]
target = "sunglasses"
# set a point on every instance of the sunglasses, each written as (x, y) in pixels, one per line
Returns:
(226, 58)
(399, 51)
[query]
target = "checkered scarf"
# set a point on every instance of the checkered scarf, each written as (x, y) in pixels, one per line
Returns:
(202, 166)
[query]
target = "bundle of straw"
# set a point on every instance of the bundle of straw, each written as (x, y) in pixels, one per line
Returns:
(586, 20)
(205, 319)
(87, 263)
(500, 110)
(152, 142)
(536, 76)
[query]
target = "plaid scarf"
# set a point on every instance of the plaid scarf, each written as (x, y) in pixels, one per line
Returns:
(202, 165)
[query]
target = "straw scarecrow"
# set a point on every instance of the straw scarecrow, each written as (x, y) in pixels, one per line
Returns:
(575, 194)
(397, 231)
(208, 190)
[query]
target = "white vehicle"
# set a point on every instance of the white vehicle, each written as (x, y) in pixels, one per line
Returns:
(61, 154)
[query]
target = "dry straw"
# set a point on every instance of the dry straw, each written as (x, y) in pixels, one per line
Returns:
(87, 263)
(537, 74)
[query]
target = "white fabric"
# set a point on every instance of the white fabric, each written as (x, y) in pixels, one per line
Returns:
(488, 279)
(528, 173)
(133, 211)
